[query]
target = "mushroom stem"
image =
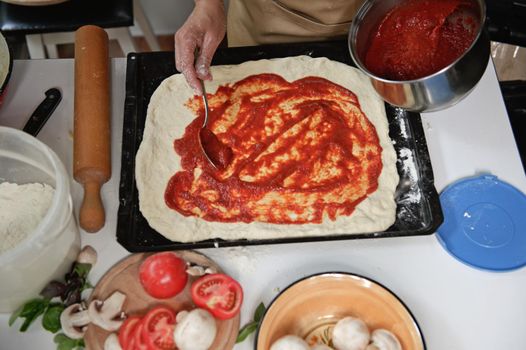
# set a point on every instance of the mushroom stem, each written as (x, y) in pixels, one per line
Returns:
(108, 314)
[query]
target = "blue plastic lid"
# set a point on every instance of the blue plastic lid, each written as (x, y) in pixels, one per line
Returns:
(484, 223)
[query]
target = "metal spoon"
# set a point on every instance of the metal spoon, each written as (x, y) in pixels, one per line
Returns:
(203, 127)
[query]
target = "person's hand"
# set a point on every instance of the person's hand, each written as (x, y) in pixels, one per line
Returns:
(200, 35)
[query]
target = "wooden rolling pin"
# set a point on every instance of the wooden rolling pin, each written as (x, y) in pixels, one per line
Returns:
(91, 150)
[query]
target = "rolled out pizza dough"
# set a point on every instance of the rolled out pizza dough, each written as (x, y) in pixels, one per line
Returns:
(168, 115)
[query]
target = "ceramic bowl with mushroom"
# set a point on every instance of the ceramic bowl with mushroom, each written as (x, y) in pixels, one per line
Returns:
(339, 311)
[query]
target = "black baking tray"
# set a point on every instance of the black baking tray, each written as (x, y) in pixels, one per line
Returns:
(418, 206)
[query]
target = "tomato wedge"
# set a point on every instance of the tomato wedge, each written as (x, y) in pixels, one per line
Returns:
(126, 331)
(218, 293)
(158, 328)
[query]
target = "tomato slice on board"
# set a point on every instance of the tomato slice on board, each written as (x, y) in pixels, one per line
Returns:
(138, 342)
(218, 293)
(163, 275)
(158, 328)
(126, 331)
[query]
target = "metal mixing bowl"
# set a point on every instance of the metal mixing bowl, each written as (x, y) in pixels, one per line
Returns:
(6, 65)
(434, 92)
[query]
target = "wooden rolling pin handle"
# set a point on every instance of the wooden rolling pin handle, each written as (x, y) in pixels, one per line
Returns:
(92, 216)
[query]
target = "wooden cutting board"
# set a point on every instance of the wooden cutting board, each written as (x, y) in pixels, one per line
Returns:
(124, 277)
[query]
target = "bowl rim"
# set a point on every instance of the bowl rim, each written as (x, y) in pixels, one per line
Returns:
(347, 274)
(3, 84)
(355, 25)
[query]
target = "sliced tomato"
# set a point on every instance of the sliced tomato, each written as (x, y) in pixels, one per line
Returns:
(126, 331)
(158, 328)
(218, 293)
(163, 275)
(138, 342)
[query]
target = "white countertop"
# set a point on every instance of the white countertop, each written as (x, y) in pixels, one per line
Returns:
(457, 307)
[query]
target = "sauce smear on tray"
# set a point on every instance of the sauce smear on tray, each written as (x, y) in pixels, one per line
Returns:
(301, 151)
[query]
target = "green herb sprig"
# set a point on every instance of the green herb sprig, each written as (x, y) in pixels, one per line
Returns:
(55, 297)
(65, 343)
(251, 327)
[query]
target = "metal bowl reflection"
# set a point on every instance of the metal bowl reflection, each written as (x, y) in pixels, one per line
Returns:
(434, 92)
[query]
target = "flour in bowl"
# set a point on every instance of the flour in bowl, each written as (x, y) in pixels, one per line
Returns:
(22, 207)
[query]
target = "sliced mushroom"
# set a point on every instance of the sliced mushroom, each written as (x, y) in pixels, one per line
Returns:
(382, 339)
(108, 314)
(112, 342)
(74, 321)
(87, 255)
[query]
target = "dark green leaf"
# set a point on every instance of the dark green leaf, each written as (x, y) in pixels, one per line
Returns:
(82, 269)
(51, 318)
(247, 329)
(30, 312)
(65, 343)
(15, 315)
(258, 314)
(86, 285)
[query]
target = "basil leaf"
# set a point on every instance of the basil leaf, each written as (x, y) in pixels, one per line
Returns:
(82, 269)
(31, 310)
(247, 329)
(15, 315)
(258, 314)
(51, 318)
(86, 285)
(53, 289)
(65, 343)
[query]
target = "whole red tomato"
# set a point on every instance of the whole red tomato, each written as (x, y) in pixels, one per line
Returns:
(163, 275)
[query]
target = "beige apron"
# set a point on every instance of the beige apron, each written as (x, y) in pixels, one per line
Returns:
(252, 22)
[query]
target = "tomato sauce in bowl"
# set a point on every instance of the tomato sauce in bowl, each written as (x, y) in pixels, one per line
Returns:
(419, 37)
(421, 55)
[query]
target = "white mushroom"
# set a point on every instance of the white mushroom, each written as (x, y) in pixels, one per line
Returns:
(198, 270)
(108, 314)
(290, 342)
(112, 342)
(382, 339)
(195, 270)
(74, 321)
(210, 270)
(195, 330)
(350, 333)
(321, 347)
(87, 255)
(180, 316)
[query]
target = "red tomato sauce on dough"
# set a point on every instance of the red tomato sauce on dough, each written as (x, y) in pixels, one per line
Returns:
(420, 37)
(301, 151)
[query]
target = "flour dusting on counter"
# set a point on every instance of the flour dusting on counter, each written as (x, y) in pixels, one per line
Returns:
(242, 260)
(22, 207)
